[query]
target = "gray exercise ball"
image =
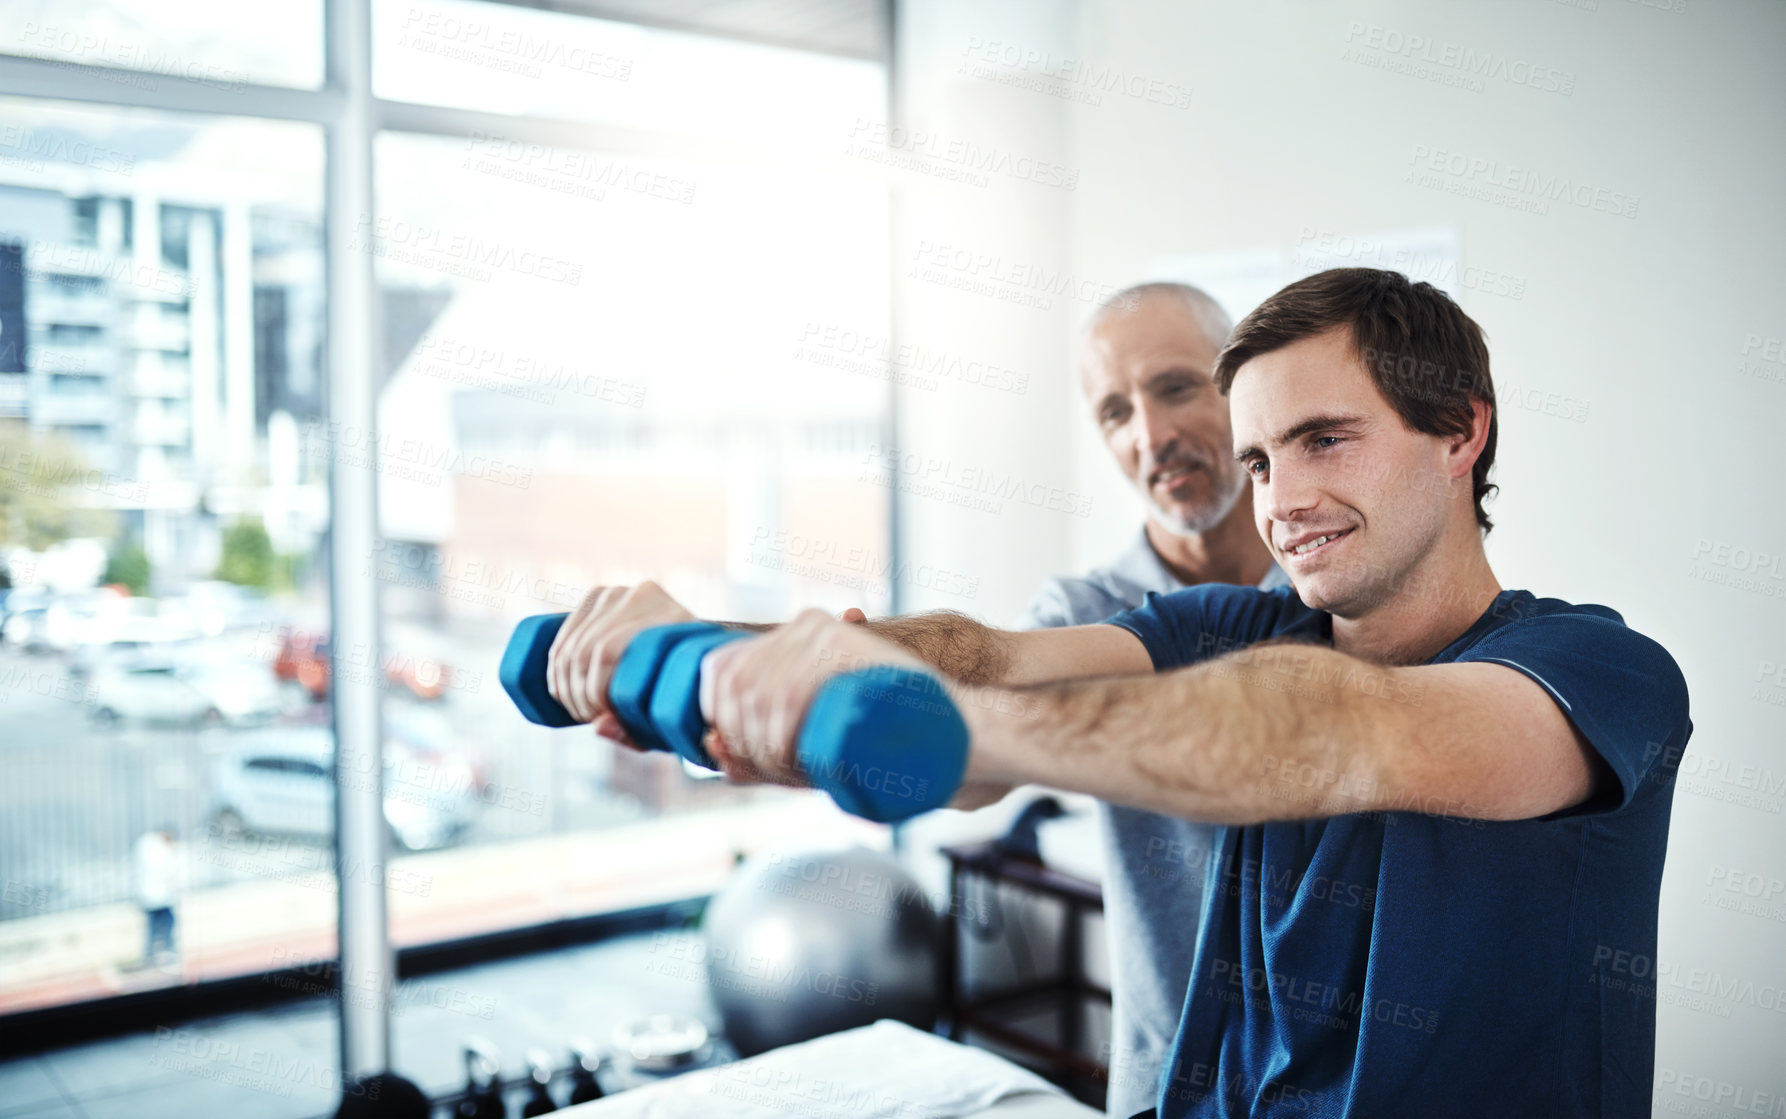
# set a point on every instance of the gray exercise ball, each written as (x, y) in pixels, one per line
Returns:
(802, 945)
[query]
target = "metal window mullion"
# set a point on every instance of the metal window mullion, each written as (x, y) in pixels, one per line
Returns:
(620, 140)
(648, 16)
(366, 960)
(896, 314)
(106, 85)
(51, 80)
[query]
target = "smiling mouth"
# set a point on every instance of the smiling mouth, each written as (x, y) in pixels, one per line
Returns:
(1310, 547)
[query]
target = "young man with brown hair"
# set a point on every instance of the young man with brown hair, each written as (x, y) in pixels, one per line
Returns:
(1444, 804)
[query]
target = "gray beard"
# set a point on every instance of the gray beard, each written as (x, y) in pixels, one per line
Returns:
(1198, 523)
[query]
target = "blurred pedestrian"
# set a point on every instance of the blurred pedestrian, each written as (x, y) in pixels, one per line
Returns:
(157, 884)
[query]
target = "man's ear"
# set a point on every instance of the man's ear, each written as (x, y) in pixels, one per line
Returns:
(1466, 449)
(852, 615)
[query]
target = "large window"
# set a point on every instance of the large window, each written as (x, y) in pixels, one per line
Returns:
(605, 351)
(154, 527)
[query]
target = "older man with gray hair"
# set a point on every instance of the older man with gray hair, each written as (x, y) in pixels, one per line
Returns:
(1144, 366)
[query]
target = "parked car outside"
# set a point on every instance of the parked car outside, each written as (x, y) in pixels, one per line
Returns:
(303, 657)
(161, 688)
(280, 780)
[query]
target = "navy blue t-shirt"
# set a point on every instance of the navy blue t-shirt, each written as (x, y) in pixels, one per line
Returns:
(1408, 963)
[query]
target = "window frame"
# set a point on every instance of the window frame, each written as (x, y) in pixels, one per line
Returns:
(351, 118)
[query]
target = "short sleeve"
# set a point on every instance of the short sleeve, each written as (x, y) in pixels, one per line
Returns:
(1620, 689)
(1200, 622)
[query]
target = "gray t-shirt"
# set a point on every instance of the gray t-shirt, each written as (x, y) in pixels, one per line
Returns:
(1154, 864)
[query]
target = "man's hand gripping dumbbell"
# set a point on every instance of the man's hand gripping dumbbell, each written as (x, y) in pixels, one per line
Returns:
(815, 701)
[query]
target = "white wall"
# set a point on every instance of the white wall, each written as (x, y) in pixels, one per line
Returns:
(1666, 325)
(986, 494)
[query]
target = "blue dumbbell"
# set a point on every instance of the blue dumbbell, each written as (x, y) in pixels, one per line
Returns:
(886, 743)
(523, 670)
(675, 708)
(523, 674)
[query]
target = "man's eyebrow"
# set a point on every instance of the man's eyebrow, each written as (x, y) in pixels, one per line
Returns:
(1300, 429)
(1177, 371)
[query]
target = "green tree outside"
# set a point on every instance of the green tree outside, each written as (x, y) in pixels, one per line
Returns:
(129, 565)
(248, 558)
(41, 480)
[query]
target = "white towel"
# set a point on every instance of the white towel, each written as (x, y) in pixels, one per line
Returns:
(885, 1071)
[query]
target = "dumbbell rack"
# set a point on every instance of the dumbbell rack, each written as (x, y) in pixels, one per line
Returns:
(447, 1107)
(514, 1090)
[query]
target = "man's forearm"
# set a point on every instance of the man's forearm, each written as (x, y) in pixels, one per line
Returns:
(976, 661)
(965, 651)
(1234, 741)
(961, 648)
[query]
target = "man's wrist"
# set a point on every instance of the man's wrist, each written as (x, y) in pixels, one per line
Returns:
(995, 717)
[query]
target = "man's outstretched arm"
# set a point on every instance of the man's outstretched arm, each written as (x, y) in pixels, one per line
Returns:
(974, 653)
(589, 644)
(1272, 732)
(1293, 731)
(977, 655)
